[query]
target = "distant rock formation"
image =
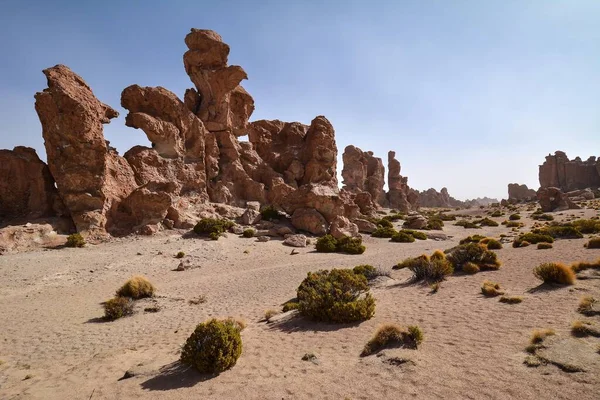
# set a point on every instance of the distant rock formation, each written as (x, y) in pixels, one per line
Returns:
(399, 195)
(433, 198)
(363, 172)
(567, 175)
(27, 188)
(518, 193)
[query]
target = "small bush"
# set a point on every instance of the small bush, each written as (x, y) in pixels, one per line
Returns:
(117, 307)
(544, 246)
(214, 346)
(581, 266)
(492, 244)
(491, 289)
(446, 217)
(289, 305)
(473, 253)
(514, 217)
(584, 328)
(587, 225)
(211, 226)
(416, 234)
(338, 295)
(75, 240)
(326, 244)
(467, 224)
(384, 223)
(559, 231)
(429, 269)
(270, 213)
(214, 235)
(554, 273)
(393, 335)
(532, 238)
(542, 217)
(394, 217)
(497, 214)
(180, 254)
(593, 243)
(586, 305)
(487, 222)
(435, 224)
(472, 239)
(510, 299)
(435, 287)
(248, 233)
(538, 335)
(368, 271)
(351, 245)
(384, 232)
(137, 287)
(470, 268)
(270, 314)
(402, 237)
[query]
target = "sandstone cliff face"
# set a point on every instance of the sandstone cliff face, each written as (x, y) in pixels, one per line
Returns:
(26, 186)
(91, 177)
(364, 172)
(399, 192)
(518, 192)
(567, 175)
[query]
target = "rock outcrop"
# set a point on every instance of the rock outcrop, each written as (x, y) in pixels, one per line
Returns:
(520, 193)
(568, 175)
(399, 194)
(363, 172)
(553, 199)
(27, 188)
(91, 177)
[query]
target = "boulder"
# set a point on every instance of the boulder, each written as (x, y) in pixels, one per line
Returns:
(27, 188)
(295, 240)
(364, 225)
(251, 216)
(415, 221)
(553, 199)
(341, 226)
(309, 220)
(91, 177)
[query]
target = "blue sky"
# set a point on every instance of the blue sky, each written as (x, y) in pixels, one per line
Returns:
(470, 94)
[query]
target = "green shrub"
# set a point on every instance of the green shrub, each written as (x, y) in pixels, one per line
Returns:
(394, 217)
(429, 269)
(532, 238)
(214, 235)
(118, 307)
(416, 234)
(472, 239)
(487, 222)
(554, 273)
(593, 243)
(435, 224)
(513, 224)
(214, 346)
(75, 240)
(544, 246)
(542, 217)
(511, 299)
(587, 225)
(446, 217)
(514, 217)
(384, 232)
(403, 237)
(270, 213)
(497, 214)
(384, 223)
(212, 226)
(351, 245)
(368, 271)
(137, 287)
(475, 253)
(491, 244)
(290, 305)
(393, 335)
(339, 295)
(180, 254)
(326, 244)
(248, 233)
(560, 231)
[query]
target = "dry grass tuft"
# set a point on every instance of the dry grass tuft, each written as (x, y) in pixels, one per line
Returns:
(581, 266)
(270, 314)
(544, 246)
(511, 299)
(393, 335)
(137, 287)
(554, 273)
(538, 335)
(491, 289)
(593, 243)
(586, 305)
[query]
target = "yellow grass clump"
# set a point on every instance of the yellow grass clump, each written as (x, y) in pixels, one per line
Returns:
(491, 289)
(137, 287)
(393, 335)
(554, 273)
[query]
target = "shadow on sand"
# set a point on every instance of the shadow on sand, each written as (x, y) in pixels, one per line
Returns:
(175, 376)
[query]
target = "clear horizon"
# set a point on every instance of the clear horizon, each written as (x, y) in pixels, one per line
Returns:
(471, 96)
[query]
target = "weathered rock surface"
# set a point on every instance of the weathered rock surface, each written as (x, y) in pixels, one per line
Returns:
(26, 186)
(397, 195)
(341, 226)
(415, 221)
(91, 177)
(567, 175)
(365, 226)
(309, 220)
(553, 199)
(569, 354)
(520, 193)
(579, 195)
(364, 172)
(298, 240)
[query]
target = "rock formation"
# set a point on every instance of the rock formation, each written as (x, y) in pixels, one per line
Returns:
(399, 192)
(91, 177)
(364, 172)
(518, 193)
(26, 186)
(553, 199)
(568, 175)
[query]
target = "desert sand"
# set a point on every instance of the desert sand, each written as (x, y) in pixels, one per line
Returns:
(55, 345)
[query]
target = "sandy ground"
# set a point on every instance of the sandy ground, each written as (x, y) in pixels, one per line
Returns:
(51, 332)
